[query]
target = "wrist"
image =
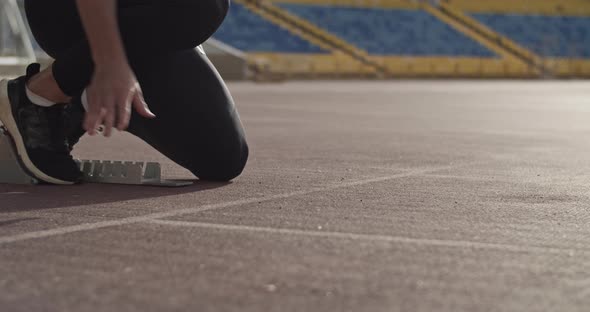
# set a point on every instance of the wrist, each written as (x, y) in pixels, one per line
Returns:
(109, 58)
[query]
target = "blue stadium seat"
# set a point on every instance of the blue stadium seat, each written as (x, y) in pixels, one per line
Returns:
(552, 36)
(391, 31)
(247, 31)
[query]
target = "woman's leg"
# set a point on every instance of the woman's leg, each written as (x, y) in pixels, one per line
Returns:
(197, 125)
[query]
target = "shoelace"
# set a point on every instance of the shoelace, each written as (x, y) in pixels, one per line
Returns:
(58, 129)
(72, 124)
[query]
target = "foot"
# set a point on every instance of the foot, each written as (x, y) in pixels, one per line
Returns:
(38, 133)
(73, 116)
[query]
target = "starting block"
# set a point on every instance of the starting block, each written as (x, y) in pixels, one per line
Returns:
(95, 171)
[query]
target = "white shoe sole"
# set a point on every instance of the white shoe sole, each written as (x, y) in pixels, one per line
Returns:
(7, 119)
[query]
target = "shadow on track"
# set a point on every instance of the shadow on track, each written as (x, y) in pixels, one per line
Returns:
(15, 198)
(15, 221)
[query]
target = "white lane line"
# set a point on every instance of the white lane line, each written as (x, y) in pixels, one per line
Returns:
(13, 193)
(374, 238)
(178, 212)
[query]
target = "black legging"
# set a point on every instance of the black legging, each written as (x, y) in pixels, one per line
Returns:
(197, 125)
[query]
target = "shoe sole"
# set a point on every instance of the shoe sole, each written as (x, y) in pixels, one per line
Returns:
(9, 123)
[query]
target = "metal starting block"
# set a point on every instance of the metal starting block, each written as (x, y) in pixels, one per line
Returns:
(95, 171)
(128, 172)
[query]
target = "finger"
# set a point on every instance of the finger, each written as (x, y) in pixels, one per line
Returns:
(94, 124)
(124, 113)
(141, 106)
(92, 116)
(99, 124)
(109, 116)
(108, 122)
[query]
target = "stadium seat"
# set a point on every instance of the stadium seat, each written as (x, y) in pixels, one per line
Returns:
(391, 31)
(247, 31)
(548, 36)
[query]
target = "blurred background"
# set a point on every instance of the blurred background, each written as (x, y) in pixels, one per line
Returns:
(267, 40)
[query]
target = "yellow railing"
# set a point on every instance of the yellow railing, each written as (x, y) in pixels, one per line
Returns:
(400, 4)
(293, 65)
(568, 68)
(546, 7)
(285, 65)
(456, 67)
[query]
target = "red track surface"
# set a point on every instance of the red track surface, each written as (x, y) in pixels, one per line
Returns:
(385, 196)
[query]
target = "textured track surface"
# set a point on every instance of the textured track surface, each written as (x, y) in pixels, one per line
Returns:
(359, 196)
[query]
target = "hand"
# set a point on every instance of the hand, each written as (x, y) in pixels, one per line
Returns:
(112, 92)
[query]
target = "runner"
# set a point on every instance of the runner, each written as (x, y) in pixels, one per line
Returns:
(127, 65)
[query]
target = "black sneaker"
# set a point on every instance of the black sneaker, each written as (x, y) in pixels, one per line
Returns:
(73, 117)
(38, 133)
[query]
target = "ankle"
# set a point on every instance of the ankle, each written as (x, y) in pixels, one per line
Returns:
(44, 85)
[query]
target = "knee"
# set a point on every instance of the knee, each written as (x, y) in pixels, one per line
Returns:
(224, 166)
